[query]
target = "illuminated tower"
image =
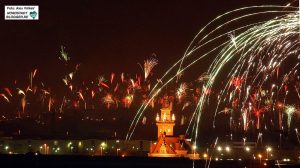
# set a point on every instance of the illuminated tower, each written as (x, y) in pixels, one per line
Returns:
(166, 121)
(167, 145)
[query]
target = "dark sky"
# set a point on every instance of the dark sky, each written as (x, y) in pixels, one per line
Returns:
(104, 36)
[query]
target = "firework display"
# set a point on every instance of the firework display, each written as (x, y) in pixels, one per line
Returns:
(253, 74)
(95, 100)
(249, 75)
(83, 95)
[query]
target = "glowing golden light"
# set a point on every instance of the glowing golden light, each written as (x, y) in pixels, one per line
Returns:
(227, 149)
(259, 155)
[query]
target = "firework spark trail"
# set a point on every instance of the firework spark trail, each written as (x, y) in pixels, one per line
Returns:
(8, 92)
(245, 120)
(21, 92)
(62, 104)
(108, 100)
(23, 104)
(259, 139)
(128, 100)
(149, 64)
(156, 89)
(101, 82)
(112, 77)
(218, 63)
(122, 77)
(217, 69)
(247, 88)
(179, 61)
(189, 51)
(110, 92)
(289, 110)
(3, 95)
(32, 76)
(64, 56)
(286, 76)
(297, 90)
(181, 92)
(50, 103)
(232, 37)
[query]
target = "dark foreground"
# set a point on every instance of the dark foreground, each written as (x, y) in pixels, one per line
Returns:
(32, 161)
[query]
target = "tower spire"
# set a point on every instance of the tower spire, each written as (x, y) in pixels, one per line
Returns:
(166, 121)
(167, 145)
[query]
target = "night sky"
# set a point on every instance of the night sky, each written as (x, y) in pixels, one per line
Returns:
(104, 36)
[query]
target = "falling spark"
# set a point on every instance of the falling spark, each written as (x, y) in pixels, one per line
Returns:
(245, 120)
(3, 95)
(101, 81)
(34, 73)
(63, 55)
(181, 91)
(232, 38)
(45, 92)
(21, 92)
(149, 64)
(289, 110)
(297, 134)
(23, 103)
(62, 104)
(122, 77)
(50, 103)
(144, 121)
(8, 92)
(186, 104)
(93, 94)
(112, 77)
(108, 100)
(128, 101)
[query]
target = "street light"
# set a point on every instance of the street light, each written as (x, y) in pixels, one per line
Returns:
(269, 149)
(194, 147)
(194, 150)
(69, 144)
(260, 156)
(102, 147)
(227, 149)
